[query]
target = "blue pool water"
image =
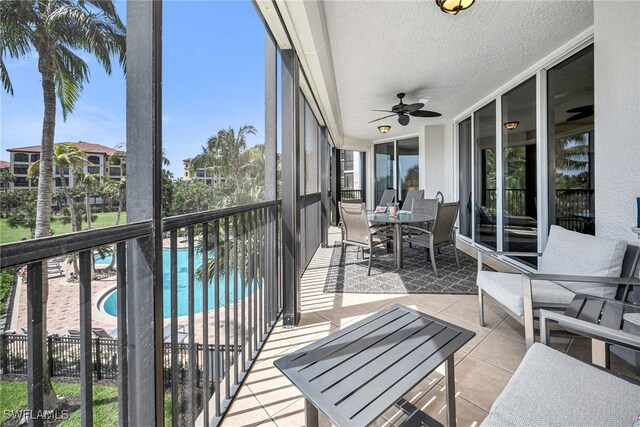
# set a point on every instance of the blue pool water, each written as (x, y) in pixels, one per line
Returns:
(109, 304)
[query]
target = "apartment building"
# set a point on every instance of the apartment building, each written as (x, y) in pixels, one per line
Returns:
(201, 174)
(98, 157)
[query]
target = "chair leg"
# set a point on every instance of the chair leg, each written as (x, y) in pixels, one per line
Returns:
(455, 252)
(433, 258)
(370, 257)
(480, 307)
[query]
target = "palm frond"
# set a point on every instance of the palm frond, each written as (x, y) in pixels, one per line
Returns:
(68, 91)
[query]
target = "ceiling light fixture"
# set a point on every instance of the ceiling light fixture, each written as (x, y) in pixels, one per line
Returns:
(384, 128)
(452, 7)
(511, 125)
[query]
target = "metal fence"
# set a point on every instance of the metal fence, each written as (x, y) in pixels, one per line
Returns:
(63, 358)
(351, 194)
(242, 242)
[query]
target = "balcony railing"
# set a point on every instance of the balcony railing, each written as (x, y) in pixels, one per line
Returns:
(351, 194)
(239, 247)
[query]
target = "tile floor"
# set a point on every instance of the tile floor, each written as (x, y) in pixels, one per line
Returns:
(483, 366)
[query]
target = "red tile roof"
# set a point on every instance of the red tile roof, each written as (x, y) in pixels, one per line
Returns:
(85, 147)
(4, 164)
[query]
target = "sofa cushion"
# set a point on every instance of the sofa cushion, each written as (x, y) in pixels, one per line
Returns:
(568, 252)
(550, 388)
(506, 288)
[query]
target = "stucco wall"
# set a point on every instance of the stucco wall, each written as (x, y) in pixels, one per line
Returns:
(617, 116)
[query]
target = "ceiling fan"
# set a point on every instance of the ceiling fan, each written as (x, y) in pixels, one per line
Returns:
(403, 111)
(580, 113)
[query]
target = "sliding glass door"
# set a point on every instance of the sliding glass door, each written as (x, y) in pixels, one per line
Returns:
(571, 142)
(519, 160)
(464, 177)
(515, 179)
(408, 166)
(484, 126)
(384, 166)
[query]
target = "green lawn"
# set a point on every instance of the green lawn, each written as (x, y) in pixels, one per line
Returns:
(8, 234)
(13, 396)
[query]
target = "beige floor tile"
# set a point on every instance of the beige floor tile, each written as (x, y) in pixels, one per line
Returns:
(511, 328)
(342, 315)
(481, 332)
(311, 324)
(467, 309)
(434, 404)
(293, 416)
(480, 382)
(501, 351)
(373, 301)
(245, 410)
(274, 391)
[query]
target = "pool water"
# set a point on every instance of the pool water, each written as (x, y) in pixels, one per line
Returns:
(109, 302)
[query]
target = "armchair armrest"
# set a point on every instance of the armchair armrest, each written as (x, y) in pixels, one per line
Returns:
(586, 279)
(591, 330)
(412, 227)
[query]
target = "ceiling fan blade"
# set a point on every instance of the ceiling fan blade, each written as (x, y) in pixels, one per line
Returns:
(425, 113)
(384, 111)
(413, 107)
(580, 116)
(582, 109)
(381, 118)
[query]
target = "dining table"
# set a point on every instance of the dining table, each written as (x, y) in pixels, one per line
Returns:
(397, 221)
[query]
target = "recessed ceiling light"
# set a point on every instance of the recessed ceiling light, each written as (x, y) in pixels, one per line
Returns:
(511, 125)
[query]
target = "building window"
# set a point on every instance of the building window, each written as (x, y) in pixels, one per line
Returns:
(93, 169)
(115, 171)
(21, 182)
(59, 182)
(346, 158)
(94, 159)
(35, 157)
(57, 170)
(20, 169)
(200, 173)
(21, 157)
(348, 181)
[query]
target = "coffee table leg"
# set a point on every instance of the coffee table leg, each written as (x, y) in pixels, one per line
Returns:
(310, 414)
(451, 391)
(397, 237)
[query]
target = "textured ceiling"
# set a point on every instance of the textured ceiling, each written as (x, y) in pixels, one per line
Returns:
(380, 48)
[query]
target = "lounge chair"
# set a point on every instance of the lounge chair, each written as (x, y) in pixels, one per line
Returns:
(102, 333)
(74, 333)
(55, 273)
(571, 263)
(357, 231)
(167, 330)
(441, 234)
(181, 337)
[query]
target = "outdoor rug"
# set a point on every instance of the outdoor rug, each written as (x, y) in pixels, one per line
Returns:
(348, 274)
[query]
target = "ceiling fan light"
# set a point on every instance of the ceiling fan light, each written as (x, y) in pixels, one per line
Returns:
(384, 128)
(403, 119)
(511, 125)
(452, 7)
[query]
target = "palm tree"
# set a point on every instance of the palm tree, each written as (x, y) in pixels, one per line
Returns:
(223, 152)
(56, 30)
(67, 158)
(90, 182)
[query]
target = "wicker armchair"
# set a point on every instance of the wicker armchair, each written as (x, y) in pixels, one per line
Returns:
(357, 231)
(441, 234)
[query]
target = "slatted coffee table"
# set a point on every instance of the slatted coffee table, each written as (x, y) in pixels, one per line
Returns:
(357, 373)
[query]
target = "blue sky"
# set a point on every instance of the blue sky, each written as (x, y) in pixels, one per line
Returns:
(213, 78)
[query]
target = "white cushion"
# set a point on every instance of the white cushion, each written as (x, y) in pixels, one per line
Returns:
(506, 288)
(568, 252)
(550, 388)
(632, 318)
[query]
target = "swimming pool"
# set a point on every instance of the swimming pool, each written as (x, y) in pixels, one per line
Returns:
(108, 302)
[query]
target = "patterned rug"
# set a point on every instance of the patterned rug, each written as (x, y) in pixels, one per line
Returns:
(348, 274)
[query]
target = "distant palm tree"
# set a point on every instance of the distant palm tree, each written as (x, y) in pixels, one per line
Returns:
(67, 157)
(223, 152)
(56, 30)
(90, 182)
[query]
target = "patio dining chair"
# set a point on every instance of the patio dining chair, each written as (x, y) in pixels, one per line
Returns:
(441, 234)
(357, 231)
(407, 204)
(572, 263)
(389, 196)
